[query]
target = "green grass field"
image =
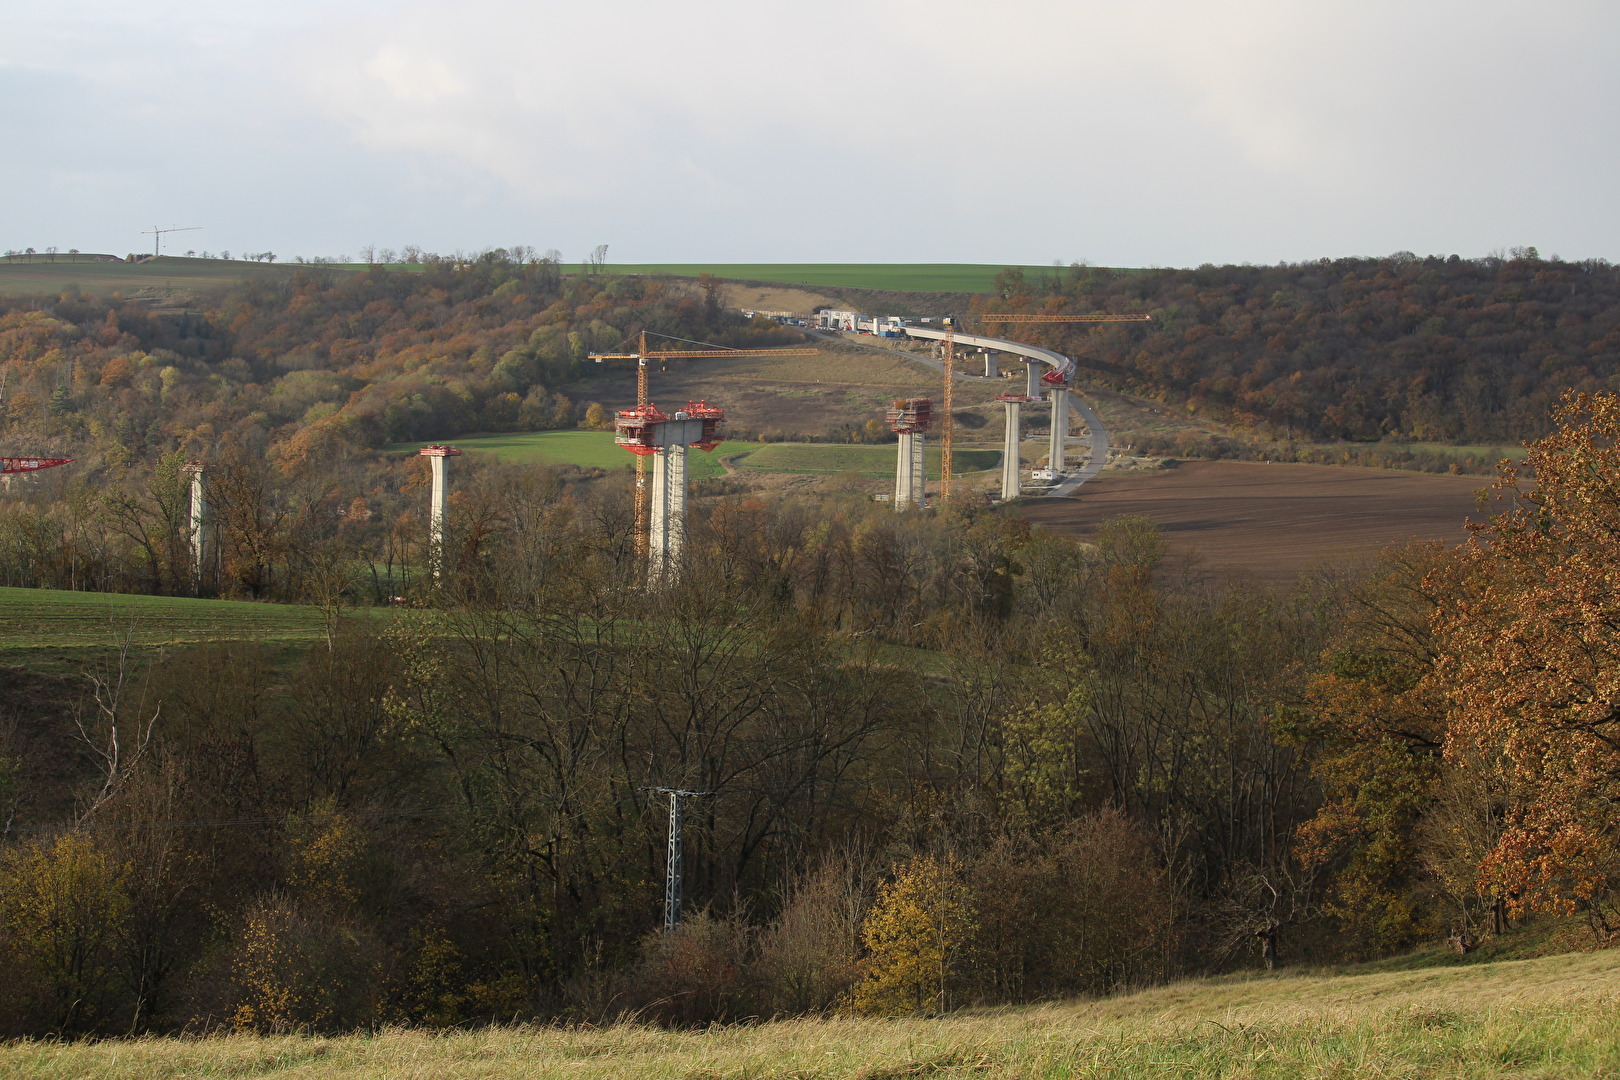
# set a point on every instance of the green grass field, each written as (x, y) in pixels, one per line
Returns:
(874, 462)
(596, 449)
(587, 449)
(903, 277)
(162, 275)
(45, 619)
(1478, 450)
(1528, 1019)
(40, 274)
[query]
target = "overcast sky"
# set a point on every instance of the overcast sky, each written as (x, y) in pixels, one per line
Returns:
(1121, 132)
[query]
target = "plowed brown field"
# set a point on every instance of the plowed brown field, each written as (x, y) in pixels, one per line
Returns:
(1273, 522)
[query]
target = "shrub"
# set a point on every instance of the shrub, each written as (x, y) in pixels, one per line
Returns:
(696, 974)
(1084, 910)
(809, 958)
(63, 912)
(298, 969)
(917, 939)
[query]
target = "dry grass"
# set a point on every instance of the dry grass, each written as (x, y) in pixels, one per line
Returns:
(1551, 1017)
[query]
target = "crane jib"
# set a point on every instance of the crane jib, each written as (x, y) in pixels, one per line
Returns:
(29, 464)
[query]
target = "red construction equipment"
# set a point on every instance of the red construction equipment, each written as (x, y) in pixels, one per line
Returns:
(909, 415)
(30, 464)
(641, 356)
(712, 416)
(635, 429)
(645, 429)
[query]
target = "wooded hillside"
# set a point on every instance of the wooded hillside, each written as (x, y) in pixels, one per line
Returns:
(1426, 349)
(328, 360)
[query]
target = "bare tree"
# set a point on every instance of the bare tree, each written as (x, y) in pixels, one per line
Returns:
(119, 732)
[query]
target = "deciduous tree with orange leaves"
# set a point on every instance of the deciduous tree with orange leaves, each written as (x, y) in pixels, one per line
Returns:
(1529, 664)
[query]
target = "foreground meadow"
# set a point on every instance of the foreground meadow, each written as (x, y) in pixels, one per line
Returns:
(1550, 1017)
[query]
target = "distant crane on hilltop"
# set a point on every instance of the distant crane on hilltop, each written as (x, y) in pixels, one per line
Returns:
(157, 235)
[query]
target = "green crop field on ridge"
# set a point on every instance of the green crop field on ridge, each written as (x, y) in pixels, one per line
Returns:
(41, 274)
(900, 277)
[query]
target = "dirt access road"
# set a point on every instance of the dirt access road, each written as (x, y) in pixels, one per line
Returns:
(1273, 522)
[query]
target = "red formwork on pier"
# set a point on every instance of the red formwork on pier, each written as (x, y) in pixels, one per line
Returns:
(645, 429)
(908, 415)
(712, 416)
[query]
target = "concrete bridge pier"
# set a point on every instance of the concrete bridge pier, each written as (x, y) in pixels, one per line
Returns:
(199, 520)
(667, 534)
(1060, 427)
(439, 490)
(910, 481)
(1009, 453)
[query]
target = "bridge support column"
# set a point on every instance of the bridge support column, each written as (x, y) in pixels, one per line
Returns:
(1060, 427)
(910, 481)
(667, 529)
(199, 521)
(990, 369)
(1032, 379)
(1009, 453)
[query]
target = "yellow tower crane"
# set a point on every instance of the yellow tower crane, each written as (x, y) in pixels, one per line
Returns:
(947, 426)
(641, 356)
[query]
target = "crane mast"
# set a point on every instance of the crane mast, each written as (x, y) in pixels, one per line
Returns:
(947, 439)
(157, 235)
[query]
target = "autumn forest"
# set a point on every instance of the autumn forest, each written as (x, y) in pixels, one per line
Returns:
(954, 759)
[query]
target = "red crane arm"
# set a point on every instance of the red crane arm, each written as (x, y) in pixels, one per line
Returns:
(30, 464)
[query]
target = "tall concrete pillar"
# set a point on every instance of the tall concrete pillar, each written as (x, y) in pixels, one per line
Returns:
(441, 490)
(199, 520)
(1009, 453)
(1032, 379)
(667, 527)
(1060, 427)
(990, 369)
(909, 478)
(438, 457)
